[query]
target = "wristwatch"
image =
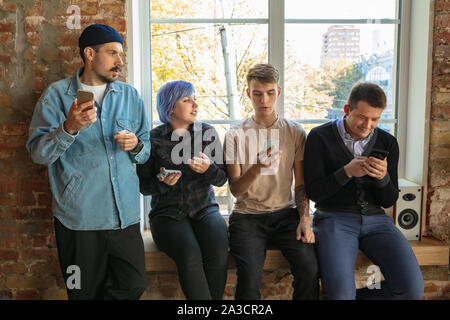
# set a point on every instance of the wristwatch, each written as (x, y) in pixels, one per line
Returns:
(138, 147)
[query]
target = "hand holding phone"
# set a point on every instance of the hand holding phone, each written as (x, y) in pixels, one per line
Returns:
(379, 153)
(169, 177)
(78, 118)
(376, 167)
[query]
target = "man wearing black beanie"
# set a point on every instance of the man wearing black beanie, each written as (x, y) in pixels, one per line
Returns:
(91, 149)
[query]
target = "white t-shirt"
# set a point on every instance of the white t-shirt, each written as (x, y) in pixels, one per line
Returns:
(99, 92)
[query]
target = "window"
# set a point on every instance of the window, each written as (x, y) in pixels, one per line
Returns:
(320, 47)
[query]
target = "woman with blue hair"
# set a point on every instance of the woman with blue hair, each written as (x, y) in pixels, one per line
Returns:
(184, 219)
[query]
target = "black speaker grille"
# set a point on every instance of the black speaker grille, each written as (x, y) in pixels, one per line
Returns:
(408, 219)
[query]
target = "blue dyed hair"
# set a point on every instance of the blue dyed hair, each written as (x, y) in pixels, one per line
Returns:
(169, 94)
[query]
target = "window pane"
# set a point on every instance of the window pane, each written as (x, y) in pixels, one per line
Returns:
(340, 9)
(324, 61)
(171, 9)
(194, 52)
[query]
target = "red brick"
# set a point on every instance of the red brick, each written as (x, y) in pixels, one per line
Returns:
(11, 227)
(6, 254)
(40, 241)
(441, 68)
(441, 20)
(16, 213)
(441, 82)
(37, 254)
(442, 5)
(8, 27)
(19, 129)
(8, 7)
(12, 242)
(113, 9)
(13, 268)
(17, 199)
(38, 227)
(119, 24)
(431, 288)
(6, 38)
(44, 199)
(44, 213)
(34, 39)
(27, 295)
(442, 36)
(88, 8)
(440, 112)
(69, 39)
(50, 266)
(5, 59)
(19, 282)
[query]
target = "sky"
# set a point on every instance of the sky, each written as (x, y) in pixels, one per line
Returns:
(306, 40)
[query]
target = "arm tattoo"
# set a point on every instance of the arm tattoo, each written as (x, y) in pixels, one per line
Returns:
(301, 201)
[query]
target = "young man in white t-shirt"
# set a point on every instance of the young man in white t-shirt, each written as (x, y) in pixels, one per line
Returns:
(263, 153)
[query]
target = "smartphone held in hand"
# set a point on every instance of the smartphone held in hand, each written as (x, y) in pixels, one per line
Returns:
(379, 154)
(85, 96)
(166, 172)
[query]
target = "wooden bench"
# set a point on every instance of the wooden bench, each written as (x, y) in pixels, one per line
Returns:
(429, 252)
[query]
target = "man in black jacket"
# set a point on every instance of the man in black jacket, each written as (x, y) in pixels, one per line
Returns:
(350, 174)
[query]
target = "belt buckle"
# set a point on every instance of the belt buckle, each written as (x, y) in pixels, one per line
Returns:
(363, 207)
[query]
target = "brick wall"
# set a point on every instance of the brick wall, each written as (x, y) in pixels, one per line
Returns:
(37, 48)
(438, 197)
(438, 206)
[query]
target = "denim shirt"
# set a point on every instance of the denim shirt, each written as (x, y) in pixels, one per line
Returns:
(93, 182)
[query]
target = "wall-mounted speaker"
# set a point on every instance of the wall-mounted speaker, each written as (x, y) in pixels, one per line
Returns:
(408, 209)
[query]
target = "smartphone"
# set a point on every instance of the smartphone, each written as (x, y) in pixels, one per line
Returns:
(379, 154)
(166, 172)
(85, 96)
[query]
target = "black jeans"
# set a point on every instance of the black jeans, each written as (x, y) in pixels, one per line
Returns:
(200, 251)
(250, 234)
(111, 263)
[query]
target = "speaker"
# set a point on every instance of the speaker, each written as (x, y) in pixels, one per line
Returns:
(408, 209)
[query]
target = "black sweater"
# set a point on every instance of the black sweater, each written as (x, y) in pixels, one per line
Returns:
(326, 181)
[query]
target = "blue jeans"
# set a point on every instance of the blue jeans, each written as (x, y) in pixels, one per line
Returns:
(200, 251)
(339, 235)
(250, 234)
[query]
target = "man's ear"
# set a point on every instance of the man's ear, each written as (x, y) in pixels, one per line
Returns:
(347, 109)
(89, 54)
(279, 91)
(248, 92)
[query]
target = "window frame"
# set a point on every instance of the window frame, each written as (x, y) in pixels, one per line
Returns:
(408, 11)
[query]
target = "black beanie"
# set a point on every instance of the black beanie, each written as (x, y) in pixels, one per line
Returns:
(98, 34)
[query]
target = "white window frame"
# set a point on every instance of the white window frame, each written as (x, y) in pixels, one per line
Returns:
(412, 70)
